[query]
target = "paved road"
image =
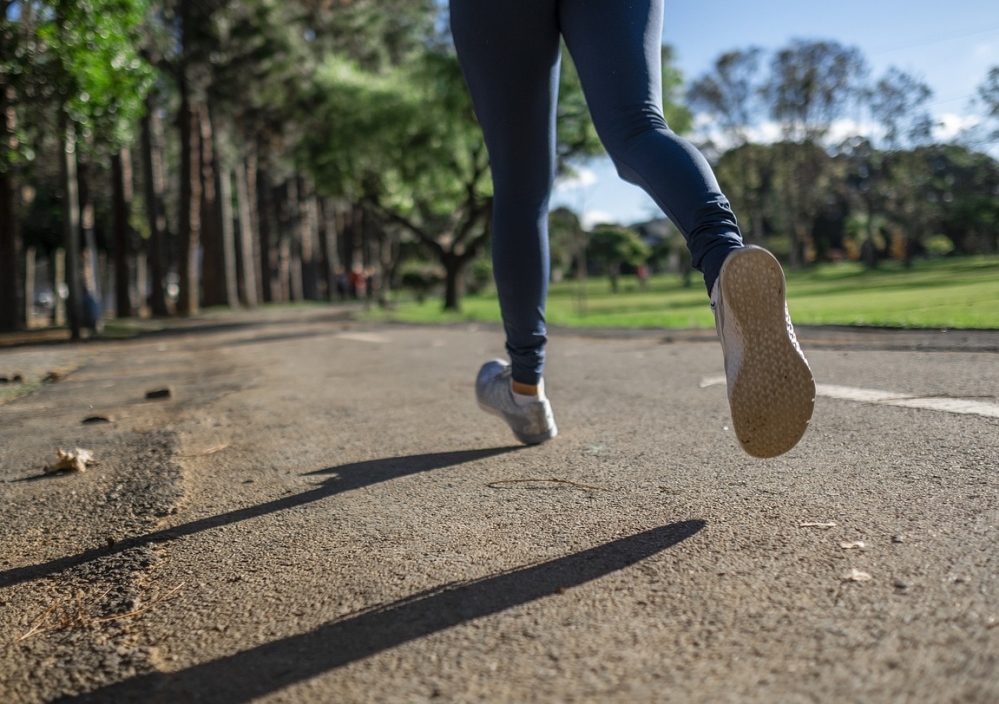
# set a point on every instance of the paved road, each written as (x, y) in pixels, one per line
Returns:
(320, 512)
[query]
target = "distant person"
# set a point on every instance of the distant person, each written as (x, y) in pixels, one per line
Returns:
(509, 52)
(642, 274)
(342, 283)
(358, 282)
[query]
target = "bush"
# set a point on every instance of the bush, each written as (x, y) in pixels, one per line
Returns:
(939, 246)
(421, 278)
(479, 275)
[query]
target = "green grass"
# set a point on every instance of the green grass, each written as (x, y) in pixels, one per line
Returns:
(952, 293)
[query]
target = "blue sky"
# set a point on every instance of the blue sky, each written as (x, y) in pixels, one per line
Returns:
(949, 44)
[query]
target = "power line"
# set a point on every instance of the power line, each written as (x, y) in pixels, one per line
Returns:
(951, 100)
(935, 40)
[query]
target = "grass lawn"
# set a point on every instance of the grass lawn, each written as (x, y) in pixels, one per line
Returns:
(952, 293)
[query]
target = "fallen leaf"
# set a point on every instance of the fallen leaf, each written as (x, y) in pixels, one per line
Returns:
(855, 575)
(75, 460)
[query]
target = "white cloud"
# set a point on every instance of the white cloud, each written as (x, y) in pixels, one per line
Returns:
(841, 129)
(950, 125)
(580, 179)
(595, 217)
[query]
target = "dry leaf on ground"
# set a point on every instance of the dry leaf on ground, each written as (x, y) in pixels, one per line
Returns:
(76, 460)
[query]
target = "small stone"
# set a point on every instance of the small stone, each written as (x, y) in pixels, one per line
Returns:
(901, 585)
(898, 539)
(159, 393)
(855, 575)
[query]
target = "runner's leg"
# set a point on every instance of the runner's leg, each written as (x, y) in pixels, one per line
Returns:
(509, 52)
(617, 49)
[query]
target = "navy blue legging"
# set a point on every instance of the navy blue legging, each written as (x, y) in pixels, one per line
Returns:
(509, 53)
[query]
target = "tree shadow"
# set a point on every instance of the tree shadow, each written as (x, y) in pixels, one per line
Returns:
(346, 478)
(268, 668)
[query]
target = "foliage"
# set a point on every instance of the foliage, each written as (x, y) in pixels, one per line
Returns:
(365, 97)
(90, 60)
(566, 241)
(613, 246)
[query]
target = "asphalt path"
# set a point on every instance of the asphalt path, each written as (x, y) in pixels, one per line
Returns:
(320, 512)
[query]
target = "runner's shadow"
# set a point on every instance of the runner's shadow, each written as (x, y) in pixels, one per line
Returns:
(268, 668)
(346, 478)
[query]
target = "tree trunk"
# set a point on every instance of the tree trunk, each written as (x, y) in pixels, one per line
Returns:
(121, 170)
(253, 220)
(154, 184)
(228, 238)
(190, 201)
(141, 284)
(454, 269)
(91, 274)
(10, 252)
(310, 241)
(10, 236)
(29, 286)
(58, 269)
(295, 235)
(213, 272)
(267, 217)
(331, 256)
(248, 268)
(71, 229)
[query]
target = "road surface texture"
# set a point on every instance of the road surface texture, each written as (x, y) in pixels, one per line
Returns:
(320, 513)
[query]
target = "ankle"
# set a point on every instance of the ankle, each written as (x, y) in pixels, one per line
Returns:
(526, 394)
(525, 389)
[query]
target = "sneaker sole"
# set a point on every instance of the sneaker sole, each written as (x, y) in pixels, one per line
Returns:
(524, 438)
(773, 394)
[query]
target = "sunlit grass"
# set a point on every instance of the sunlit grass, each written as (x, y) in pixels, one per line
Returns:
(952, 293)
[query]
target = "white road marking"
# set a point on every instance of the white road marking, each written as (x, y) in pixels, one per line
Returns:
(890, 398)
(362, 337)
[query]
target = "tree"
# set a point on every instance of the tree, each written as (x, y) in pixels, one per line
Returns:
(898, 103)
(988, 97)
(406, 145)
(78, 62)
(613, 246)
(811, 84)
(18, 53)
(730, 94)
(566, 242)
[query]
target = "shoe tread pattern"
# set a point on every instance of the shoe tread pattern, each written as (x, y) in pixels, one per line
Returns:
(773, 394)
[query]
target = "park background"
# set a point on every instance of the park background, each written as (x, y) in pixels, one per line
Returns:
(163, 157)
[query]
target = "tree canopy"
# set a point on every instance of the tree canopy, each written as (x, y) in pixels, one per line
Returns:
(228, 153)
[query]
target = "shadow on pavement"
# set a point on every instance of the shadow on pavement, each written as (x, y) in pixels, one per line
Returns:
(270, 667)
(346, 478)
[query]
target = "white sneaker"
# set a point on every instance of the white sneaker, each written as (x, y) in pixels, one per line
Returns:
(770, 387)
(532, 422)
